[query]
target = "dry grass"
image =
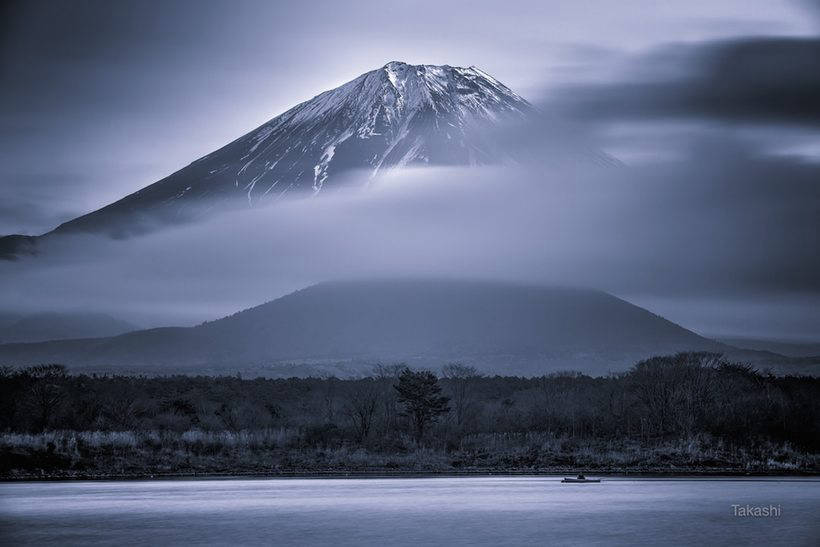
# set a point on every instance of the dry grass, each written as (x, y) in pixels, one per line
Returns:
(284, 449)
(70, 439)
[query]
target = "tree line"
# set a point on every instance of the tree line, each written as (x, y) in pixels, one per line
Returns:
(668, 397)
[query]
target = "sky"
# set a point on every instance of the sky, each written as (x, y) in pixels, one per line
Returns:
(711, 106)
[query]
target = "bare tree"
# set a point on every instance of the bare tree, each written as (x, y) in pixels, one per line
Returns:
(329, 397)
(230, 417)
(460, 379)
(673, 390)
(46, 392)
(387, 376)
(361, 409)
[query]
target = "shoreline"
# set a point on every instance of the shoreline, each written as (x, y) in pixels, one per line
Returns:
(680, 474)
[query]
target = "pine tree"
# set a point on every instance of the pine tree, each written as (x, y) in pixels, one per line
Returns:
(420, 394)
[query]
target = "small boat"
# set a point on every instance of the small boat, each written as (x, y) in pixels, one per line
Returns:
(579, 478)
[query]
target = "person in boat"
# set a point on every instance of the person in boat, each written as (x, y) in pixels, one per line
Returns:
(581, 477)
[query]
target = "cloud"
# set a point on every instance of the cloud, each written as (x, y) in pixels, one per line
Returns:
(766, 80)
(728, 224)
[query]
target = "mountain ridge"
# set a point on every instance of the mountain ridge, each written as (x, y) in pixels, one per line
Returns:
(390, 117)
(496, 326)
(46, 326)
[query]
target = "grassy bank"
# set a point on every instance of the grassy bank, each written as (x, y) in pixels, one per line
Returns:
(89, 454)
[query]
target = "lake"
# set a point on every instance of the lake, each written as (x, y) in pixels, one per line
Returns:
(410, 511)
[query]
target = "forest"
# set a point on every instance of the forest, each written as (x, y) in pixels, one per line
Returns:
(684, 413)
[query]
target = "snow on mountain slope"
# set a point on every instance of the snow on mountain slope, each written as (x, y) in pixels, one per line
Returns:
(394, 116)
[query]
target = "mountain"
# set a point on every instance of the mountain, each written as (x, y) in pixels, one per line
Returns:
(781, 347)
(498, 327)
(59, 326)
(391, 117)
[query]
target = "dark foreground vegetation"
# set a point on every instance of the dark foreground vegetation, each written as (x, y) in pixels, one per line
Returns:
(678, 414)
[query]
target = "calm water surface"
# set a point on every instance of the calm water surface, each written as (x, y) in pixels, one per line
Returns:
(487, 510)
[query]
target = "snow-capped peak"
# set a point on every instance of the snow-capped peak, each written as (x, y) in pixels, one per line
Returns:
(396, 115)
(399, 87)
(417, 113)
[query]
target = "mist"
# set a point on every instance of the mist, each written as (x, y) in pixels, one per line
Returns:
(716, 228)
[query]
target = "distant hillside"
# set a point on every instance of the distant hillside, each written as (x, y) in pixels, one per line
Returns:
(791, 349)
(59, 326)
(494, 326)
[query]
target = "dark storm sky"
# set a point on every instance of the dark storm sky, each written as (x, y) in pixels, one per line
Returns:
(717, 100)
